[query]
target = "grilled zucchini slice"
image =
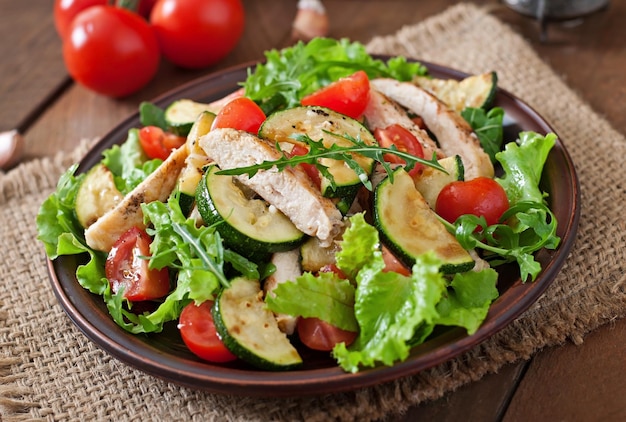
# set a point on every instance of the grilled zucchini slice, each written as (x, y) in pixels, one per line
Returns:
(247, 224)
(181, 115)
(191, 174)
(96, 195)
(411, 229)
(249, 329)
(430, 181)
(320, 123)
(477, 91)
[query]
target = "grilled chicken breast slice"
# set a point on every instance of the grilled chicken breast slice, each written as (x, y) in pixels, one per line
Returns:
(288, 268)
(453, 133)
(382, 112)
(289, 190)
(103, 234)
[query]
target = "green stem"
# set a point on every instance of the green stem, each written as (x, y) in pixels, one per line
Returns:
(132, 5)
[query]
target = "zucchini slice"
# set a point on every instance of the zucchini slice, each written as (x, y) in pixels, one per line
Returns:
(477, 91)
(181, 115)
(191, 174)
(317, 122)
(314, 256)
(247, 224)
(96, 195)
(409, 227)
(249, 329)
(430, 181)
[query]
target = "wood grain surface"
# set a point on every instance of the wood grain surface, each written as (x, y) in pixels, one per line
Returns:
(568, 383)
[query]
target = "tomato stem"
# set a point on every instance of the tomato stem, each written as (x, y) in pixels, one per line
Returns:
(132, 5)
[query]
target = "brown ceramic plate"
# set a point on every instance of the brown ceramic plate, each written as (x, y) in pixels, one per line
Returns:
(164, 355)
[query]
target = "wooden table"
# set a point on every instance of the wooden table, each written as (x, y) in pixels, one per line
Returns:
(566, 383)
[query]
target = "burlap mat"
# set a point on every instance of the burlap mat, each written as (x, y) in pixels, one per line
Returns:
(50, 370)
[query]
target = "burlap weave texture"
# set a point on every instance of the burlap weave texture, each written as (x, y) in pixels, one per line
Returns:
(50, 371)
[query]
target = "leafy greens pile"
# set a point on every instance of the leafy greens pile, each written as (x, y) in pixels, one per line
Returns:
(391, 312)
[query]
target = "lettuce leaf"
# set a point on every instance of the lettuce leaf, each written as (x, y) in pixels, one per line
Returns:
(129, 163)
(389, 307)
(523, 163)
(328, 298)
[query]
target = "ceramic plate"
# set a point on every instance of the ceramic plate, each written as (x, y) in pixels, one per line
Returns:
(164, 355)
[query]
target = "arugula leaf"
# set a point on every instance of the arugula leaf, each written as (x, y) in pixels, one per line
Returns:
(318, 150)
(293, 72)
(197, 253)
(488, 127)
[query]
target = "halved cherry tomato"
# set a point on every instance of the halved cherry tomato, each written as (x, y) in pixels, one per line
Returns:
(198, 332)
(404, 140)
(481, 196)
(241, 113)
(158, 143)
(320, 335)
(309, 169)
(126, 267)
(347, 95)
(394, 264)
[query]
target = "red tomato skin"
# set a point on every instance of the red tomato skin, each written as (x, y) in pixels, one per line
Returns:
(348, 96)
(240, 113)
(66, 10)
(320, 335)
(111, 51)
(311, 171)
(197, 33)
(404, 140)
(125, 268)
(157, 143)
(481, 196)
(394, 264)
(198, 332)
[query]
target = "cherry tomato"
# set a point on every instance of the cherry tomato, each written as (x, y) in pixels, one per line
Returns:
(66, 10)
(198, 332)
(197, 33)
(157, 143)
(310, 169)
(347, 95)
(241, 113)
(481, 196)
(394, 264)
(111, 50)
(320, 335)
(126, 267)
(403, 140)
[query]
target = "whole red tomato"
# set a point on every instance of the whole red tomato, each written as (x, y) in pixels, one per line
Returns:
(66, 10)
(197, 33)
(111, 50)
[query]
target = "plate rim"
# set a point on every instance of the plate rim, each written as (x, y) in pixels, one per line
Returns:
(253, 382)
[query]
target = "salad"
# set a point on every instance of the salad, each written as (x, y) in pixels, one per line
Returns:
(335, 202)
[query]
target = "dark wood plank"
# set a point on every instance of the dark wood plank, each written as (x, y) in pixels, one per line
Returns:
(576, 383)
(31, 67)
